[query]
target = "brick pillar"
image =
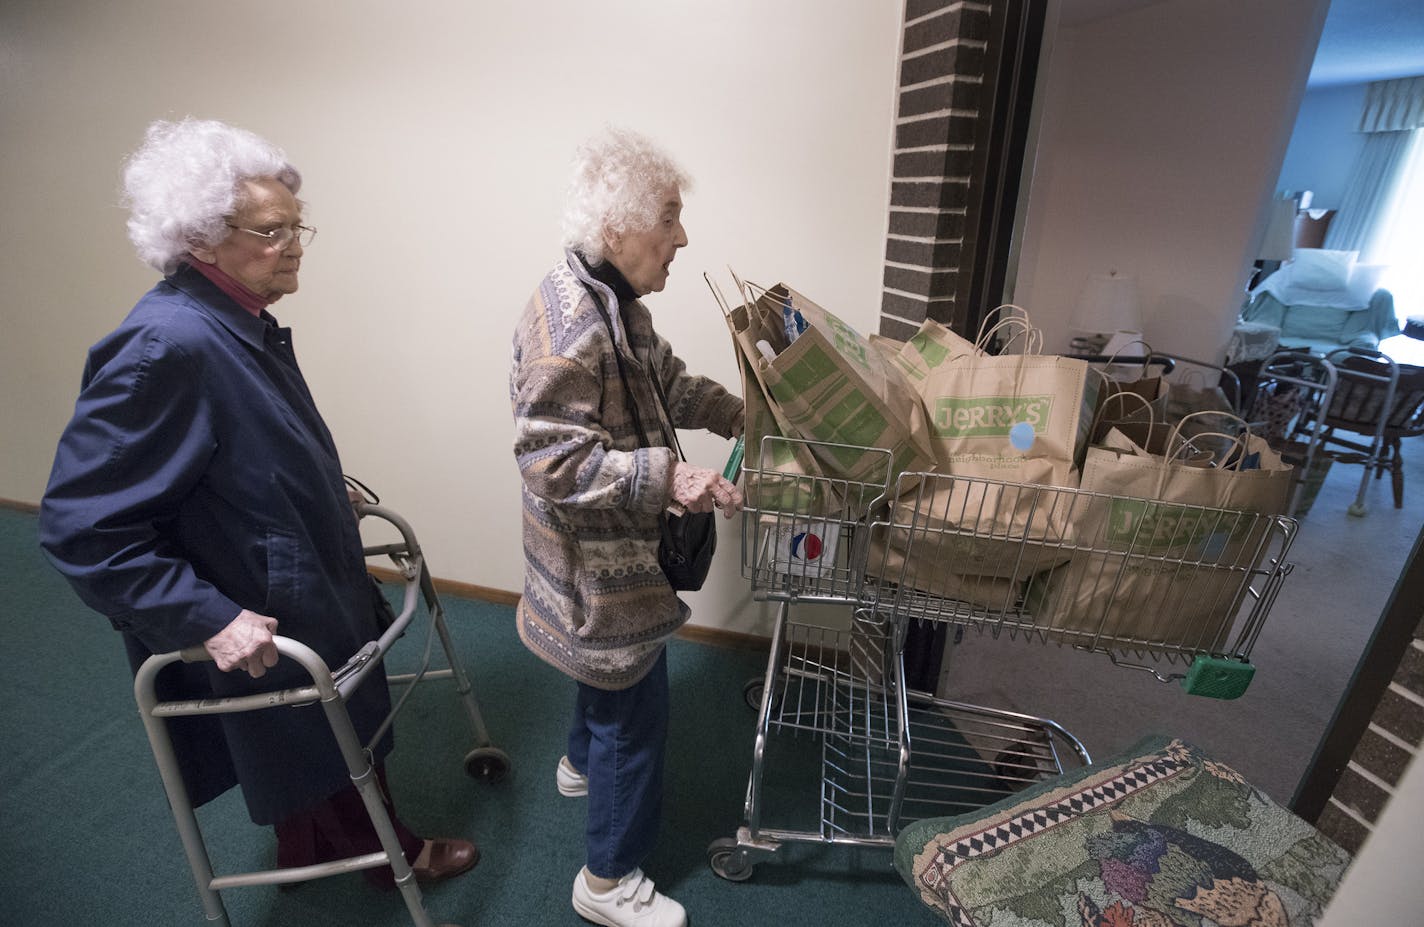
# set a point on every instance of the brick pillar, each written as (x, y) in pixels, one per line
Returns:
(966, 77)
(942, 60)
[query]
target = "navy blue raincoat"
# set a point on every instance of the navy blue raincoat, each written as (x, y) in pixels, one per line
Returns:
(197, 479)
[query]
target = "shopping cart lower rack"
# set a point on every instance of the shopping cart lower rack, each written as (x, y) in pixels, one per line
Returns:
(1179, 591)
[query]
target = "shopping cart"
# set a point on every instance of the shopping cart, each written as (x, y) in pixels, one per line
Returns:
(331, 688)
(1176, 590)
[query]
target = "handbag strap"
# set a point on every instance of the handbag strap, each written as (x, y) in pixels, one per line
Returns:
(627, 388)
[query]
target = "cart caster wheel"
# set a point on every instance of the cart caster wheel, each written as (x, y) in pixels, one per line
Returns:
(1010, 762)
(752, 691)
(488, 763)
(1356, 510)
(728, 860)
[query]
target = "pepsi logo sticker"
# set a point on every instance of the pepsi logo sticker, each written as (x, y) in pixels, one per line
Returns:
(806, 546)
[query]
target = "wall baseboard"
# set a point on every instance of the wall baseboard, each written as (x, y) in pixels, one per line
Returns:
(714, 637)
(720, 637)
(454, 587)
(31, 508)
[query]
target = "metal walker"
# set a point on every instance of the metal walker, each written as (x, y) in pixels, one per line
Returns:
(330, 688)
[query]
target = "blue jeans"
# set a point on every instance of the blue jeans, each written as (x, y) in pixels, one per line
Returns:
(617, 740)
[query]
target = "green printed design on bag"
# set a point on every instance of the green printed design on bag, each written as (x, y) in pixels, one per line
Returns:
(932, 352)
(988, 416)
(809, 372)
(848, 342)
(852, 421)
(1141, 525)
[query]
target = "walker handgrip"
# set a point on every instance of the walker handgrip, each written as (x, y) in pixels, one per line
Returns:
(195, 654)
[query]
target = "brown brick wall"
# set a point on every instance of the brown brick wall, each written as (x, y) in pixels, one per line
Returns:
(942, 70)
(1393, 739)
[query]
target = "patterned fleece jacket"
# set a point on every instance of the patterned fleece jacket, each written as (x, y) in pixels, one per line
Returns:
(596, 605)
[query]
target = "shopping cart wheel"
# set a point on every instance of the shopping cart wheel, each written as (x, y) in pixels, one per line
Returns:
(729, 860)
(1023, 763)
(752, 693)
(488, 763)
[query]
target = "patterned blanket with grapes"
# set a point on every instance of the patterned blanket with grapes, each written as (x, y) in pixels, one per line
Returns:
(1160, 836)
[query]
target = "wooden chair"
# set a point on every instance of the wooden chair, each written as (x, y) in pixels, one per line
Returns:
(1376, 401)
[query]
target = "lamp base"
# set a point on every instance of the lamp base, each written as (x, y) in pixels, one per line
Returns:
(1125, 342)
(1088, 345)
(1106, 344)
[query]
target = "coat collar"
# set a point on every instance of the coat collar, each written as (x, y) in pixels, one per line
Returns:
(246, 326)
(632, 314)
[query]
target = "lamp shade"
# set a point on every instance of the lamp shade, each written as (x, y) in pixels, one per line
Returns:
(1279, 241)
(1109, 304)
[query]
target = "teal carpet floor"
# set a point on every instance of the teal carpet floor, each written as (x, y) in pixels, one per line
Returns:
(86, 837)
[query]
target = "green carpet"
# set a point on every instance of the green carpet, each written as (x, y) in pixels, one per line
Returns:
(88, 838)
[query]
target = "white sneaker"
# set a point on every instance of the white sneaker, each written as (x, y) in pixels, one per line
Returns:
(571, 782)
(633, 902)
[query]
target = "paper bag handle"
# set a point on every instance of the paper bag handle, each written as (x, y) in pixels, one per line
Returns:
(1240, 439)
(1146, 358)
(717, 295)
(1124, 394)
(1023, 326)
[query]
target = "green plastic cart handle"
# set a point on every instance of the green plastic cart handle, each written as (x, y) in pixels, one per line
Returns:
(734, 462)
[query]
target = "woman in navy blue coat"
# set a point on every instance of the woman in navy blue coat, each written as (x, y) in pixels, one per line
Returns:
(197, 497)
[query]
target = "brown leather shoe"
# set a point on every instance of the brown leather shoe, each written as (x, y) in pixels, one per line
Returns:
(444, 858)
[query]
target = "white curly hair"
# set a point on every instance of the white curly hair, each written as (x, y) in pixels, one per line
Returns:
(616, 184)
(185, 180)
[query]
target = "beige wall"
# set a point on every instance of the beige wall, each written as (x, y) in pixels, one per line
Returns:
(434, 138)
(1161, 135)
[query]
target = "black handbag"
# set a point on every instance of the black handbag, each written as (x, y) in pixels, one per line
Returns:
(685, 552)
(690, 539)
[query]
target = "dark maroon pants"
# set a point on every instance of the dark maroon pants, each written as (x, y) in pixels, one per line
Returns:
(340, 827)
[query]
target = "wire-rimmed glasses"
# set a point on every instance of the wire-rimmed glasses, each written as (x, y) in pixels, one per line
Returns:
(280, 238)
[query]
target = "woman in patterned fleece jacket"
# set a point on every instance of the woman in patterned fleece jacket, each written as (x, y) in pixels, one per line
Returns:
(596, 604)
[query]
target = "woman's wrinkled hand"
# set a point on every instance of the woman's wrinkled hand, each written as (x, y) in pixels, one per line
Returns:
(701, 490)
(246, 643)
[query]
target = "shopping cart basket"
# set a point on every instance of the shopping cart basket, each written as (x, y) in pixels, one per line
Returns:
(1179, 591)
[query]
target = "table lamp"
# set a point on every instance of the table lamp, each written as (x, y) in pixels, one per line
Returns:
(1278, 244)
(1109, 314)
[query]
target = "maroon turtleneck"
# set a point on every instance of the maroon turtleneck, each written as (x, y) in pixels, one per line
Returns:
(229, 285)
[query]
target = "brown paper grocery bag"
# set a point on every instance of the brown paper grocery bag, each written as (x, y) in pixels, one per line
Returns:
(998, 423)
(908, 559)
(1011, 417)
(832, 386)
(781, 476)
(1139, 397)
(1165, 554)
(929, 347)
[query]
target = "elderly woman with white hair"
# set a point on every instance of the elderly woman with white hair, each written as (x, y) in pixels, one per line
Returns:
(596, 394)
(197, 498)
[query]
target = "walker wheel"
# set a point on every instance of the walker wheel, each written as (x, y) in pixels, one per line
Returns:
(729, 860)
(488, 763)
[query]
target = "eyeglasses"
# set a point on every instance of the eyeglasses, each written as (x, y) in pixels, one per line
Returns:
(279, 239)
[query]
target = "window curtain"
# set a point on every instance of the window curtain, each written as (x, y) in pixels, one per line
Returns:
(1394, 105)
(1372, 183)
(1393, 112)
